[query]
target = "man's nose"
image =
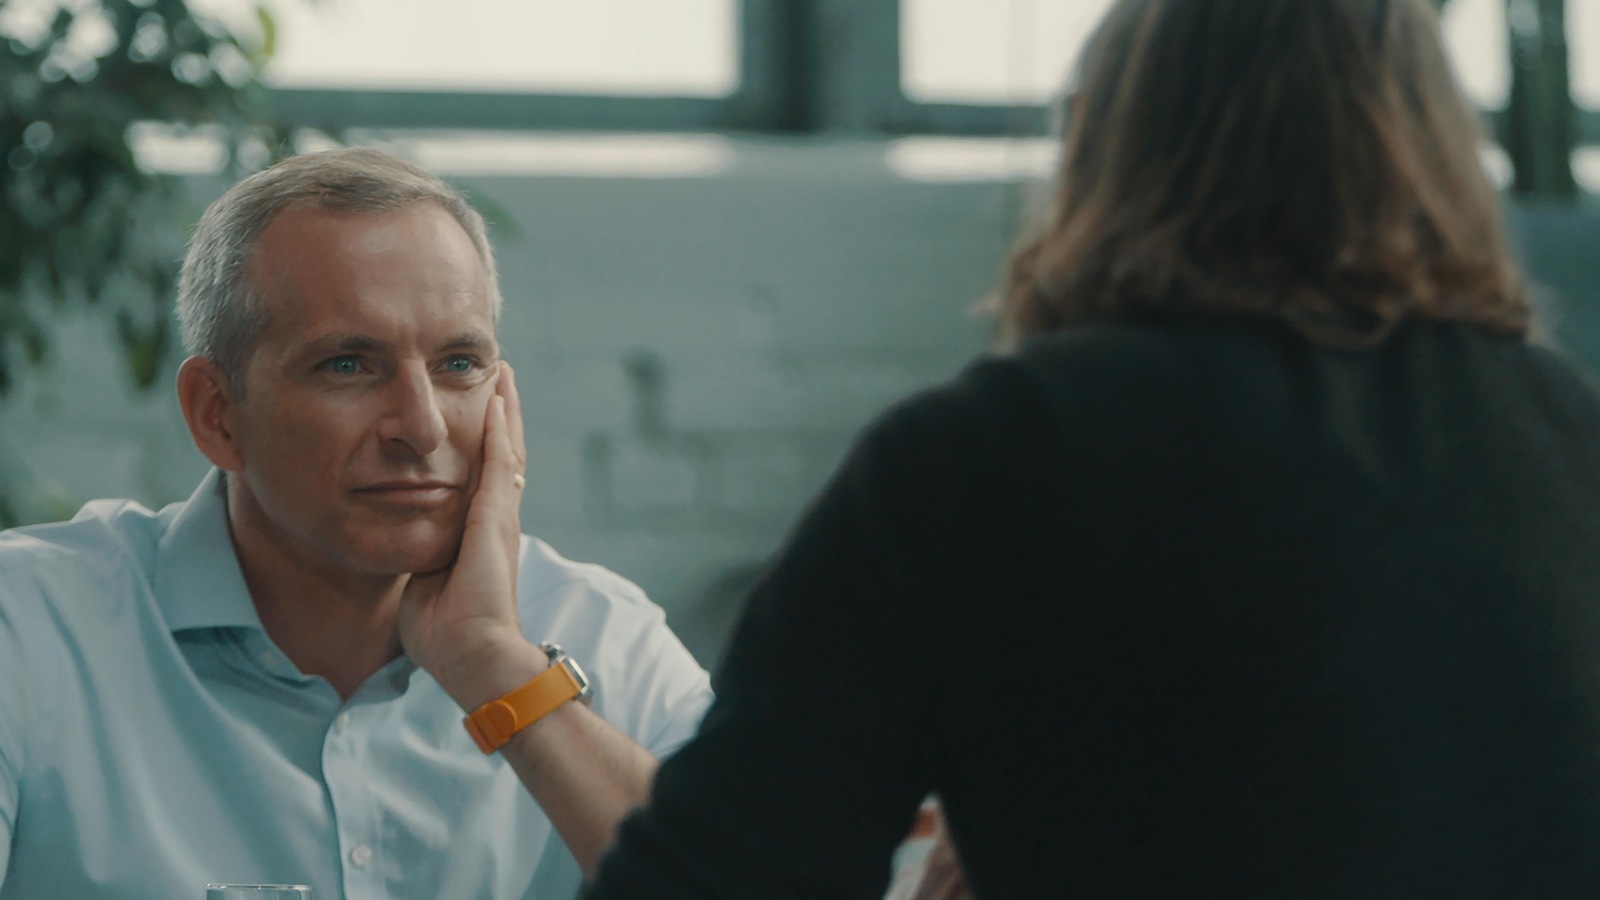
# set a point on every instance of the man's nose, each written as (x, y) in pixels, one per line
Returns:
(413, 417)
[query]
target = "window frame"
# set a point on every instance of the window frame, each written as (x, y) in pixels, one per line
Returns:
(795, 77)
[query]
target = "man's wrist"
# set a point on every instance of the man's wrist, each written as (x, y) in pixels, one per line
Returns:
(491, 672)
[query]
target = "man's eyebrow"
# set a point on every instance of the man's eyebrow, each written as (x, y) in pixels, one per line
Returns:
(337, 343)
(470, 340)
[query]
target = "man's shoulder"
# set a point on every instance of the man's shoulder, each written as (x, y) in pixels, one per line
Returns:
(545, 571)
(105, 535)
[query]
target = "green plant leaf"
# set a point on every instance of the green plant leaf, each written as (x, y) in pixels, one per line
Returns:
(144, 347)
(82, 226)
(269, 34)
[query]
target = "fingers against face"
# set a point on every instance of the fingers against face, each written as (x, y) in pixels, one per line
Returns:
(500, 462)
(507, 388)
(498, 493)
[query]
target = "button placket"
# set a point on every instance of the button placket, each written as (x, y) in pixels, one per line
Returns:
(355, 811)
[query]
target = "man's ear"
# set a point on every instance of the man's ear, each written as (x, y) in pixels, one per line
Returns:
(206, 395)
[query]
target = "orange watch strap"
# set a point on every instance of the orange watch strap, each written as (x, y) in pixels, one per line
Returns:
(493, 723)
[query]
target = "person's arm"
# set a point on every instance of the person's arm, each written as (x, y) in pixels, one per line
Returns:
(825, 734)
(585, 774)
(461, 626)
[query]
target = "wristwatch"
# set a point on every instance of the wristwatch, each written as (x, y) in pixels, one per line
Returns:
(492, 724)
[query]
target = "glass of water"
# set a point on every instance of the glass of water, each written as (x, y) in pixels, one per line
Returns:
(257, 892)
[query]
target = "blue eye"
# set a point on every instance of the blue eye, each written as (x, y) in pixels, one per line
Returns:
(458, 365)
(343, 365)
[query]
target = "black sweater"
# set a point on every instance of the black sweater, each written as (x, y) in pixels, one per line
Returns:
(1189, 610)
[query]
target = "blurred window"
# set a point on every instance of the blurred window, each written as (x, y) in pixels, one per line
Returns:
(1583, 45)
(942, 159)
(1475, 35)
(1023, 51)
(992, 51)
(629, 47)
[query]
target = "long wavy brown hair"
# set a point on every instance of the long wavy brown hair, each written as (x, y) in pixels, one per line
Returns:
(1313, 161)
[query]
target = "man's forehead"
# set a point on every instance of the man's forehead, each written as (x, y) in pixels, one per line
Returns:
(304, 234)
(311, 253)
(299, 321)
(458, 311)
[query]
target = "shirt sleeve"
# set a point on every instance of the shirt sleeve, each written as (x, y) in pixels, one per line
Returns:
(822, 742)
(15, 711)
(645, 682)
(662, 691)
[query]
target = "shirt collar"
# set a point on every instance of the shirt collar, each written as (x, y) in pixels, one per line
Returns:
(198, 582)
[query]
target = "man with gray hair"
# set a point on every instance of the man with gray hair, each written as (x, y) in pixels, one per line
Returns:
(268, 683)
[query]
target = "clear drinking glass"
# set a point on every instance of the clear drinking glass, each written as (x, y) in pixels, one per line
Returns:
(257, 892)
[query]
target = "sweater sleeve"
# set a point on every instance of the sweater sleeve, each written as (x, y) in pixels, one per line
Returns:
(823, 739)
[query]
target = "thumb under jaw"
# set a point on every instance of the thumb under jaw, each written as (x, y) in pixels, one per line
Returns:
(422, 585)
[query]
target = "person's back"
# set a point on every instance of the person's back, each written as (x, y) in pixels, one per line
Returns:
(1276, 622)
(1185, 610)
(1266, 565)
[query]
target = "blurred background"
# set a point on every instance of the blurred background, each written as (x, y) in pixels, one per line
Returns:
(729, 231)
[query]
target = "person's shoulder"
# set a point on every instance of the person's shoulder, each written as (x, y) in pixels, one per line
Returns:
(1088, 394)
(104, 534)
(1087, 365)
(1553, 363)
(544, 571)
(72, 574)
(1551, 382)
(601, 618)
(1158, 352)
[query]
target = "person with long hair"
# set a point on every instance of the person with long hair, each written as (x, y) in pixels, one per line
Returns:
(1263, 562)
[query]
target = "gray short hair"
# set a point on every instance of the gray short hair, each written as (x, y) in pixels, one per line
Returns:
(219, 310)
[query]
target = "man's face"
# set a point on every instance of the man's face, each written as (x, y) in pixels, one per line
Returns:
(360, 429)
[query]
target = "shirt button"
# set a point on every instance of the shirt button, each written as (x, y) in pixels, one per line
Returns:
(360, 856)
(269, 660)
(341, 722)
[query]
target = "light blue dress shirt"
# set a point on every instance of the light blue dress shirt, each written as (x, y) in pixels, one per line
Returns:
(154, 739)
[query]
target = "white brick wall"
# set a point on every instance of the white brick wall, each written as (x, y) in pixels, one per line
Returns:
(694, 356)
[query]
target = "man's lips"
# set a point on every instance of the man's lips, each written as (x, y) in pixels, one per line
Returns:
(416, 493)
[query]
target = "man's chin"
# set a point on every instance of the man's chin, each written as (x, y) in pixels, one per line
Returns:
(416, 555)
(427, 564)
